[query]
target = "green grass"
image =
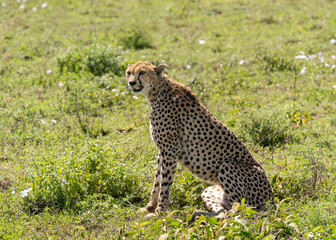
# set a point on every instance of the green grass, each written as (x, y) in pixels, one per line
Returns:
(76, 159)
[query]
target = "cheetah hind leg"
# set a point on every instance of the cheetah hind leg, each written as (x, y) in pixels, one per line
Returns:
(213, 198)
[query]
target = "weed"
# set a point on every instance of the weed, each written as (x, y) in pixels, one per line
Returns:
(238, 225)
(187, 190)
(136, 39)
(71, 61)
(275, 63)
(62, 182)
(299, 118)
(267, 130)
(96, 59)
(199, 87)
(100, 59)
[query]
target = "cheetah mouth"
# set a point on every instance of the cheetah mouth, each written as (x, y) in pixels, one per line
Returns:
(137, 90)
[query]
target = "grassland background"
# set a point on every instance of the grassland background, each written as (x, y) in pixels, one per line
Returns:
(76, 160)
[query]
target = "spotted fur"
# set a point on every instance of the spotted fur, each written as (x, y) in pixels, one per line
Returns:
(186, 132)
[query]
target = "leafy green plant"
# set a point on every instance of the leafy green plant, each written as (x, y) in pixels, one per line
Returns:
(96, 58)
(60, 182)
(71, 61)
(241, 223)
(100, 59)
(136, 39)
(299, 118)
(187, 190)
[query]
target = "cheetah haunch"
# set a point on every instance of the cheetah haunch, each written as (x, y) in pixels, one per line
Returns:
(186, 132)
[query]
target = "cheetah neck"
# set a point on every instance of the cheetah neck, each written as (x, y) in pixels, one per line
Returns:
(156, 93)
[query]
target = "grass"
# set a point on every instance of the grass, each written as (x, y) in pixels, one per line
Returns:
(76, 160)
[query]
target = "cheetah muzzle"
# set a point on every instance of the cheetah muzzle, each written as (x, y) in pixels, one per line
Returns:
(186, 132)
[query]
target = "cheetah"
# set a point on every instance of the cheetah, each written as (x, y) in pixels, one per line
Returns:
(186, 132)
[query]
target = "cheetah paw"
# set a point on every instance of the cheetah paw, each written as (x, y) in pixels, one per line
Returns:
(150, 215)
(143, 210)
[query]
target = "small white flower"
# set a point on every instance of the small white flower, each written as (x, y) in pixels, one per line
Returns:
(24, 193)
(53, 121)
(22, 6)
(321, 57)
(34, 9)
(123, 93)
(60, 84)
(3, 4)
(44, 5)
(327, 65)
(49, 71)
(302, 53)
(188, 66)
(135, 97)
(312, 56)
(13, 192)
(333, 66)
(302, 57)
(310, 235)
(334, 86)
(143, 57)
(241, 62)
(333, 56)
(201, 41)
(163, 61)
(333, 41)
(303, 70)
(42, 121)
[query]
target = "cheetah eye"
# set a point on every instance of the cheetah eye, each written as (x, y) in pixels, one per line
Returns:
(141, 73)
(128, 73)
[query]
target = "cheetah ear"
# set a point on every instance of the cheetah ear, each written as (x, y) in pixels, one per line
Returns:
(159, 68)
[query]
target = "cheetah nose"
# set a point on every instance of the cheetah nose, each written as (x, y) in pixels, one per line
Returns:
(132, 83)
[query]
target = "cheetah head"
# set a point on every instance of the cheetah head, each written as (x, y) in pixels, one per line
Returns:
(143, 76)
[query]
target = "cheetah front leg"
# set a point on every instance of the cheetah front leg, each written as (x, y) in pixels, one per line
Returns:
(167, 177)
(164, 178)
(153, 202)
(170, 153)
